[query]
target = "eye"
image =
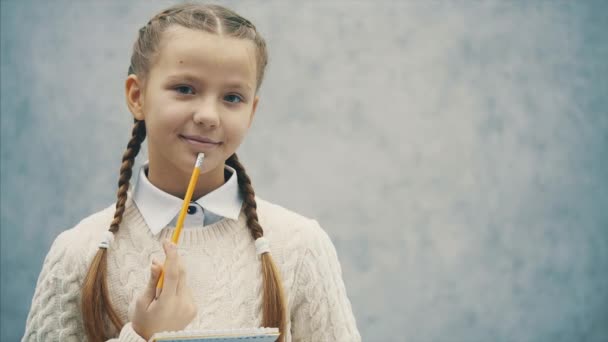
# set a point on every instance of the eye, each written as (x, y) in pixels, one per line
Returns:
(233, 98)
(186, 88)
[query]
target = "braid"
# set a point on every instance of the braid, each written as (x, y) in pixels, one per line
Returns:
(274, 307)
(162, 16)
(137, 137)
(147, 32)
(249, 197)
(95, 300)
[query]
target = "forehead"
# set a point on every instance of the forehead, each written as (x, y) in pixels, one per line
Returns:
(199, 53)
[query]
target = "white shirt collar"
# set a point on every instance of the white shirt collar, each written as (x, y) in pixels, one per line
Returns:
(160, 208)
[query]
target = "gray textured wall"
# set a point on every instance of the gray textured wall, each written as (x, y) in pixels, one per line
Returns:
(456, 152)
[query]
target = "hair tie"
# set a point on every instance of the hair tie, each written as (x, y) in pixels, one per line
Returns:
(107, 239)
(262, 246)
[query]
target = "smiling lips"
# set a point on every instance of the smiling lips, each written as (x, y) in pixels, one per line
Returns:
(200, 141)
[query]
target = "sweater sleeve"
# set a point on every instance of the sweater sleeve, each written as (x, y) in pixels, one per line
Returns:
(321, 309)
(55, 313)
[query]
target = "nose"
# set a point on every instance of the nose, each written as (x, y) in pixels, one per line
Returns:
(207, 114)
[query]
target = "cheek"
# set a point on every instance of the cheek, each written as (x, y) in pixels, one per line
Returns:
(235, 130)
(168, 118)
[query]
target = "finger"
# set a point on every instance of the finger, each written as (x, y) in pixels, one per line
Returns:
(150, 290)
(158, 266)
(182, 279)
(171, 269)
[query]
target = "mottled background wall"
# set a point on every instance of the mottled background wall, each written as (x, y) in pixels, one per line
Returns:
(456, 152)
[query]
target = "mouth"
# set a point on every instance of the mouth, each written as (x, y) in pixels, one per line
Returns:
(200, 143)
(199, 138)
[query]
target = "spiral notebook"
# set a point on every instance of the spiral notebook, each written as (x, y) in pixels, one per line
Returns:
(224, 335)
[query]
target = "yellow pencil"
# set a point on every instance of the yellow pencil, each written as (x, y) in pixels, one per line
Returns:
(182, 213)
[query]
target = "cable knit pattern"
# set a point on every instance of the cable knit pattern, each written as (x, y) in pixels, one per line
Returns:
(321, 310)
(222, 269)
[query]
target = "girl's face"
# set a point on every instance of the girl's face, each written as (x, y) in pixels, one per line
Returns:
(200, 87)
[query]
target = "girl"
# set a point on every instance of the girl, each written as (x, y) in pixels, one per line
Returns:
(192, 87)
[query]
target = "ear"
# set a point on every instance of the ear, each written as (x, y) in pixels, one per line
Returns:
(255, 106)
(135, 98)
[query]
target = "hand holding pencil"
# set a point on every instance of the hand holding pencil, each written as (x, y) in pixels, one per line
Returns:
(167, 304)
(174, 308)
(182, 213)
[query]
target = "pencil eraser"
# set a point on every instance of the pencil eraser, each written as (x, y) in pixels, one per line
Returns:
(199, 160)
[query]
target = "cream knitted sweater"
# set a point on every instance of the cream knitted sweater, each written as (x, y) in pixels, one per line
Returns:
(223, 271)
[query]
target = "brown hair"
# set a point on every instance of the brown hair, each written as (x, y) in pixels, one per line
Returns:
(96, 302)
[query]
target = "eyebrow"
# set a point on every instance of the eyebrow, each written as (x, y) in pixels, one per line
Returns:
(191, 78)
